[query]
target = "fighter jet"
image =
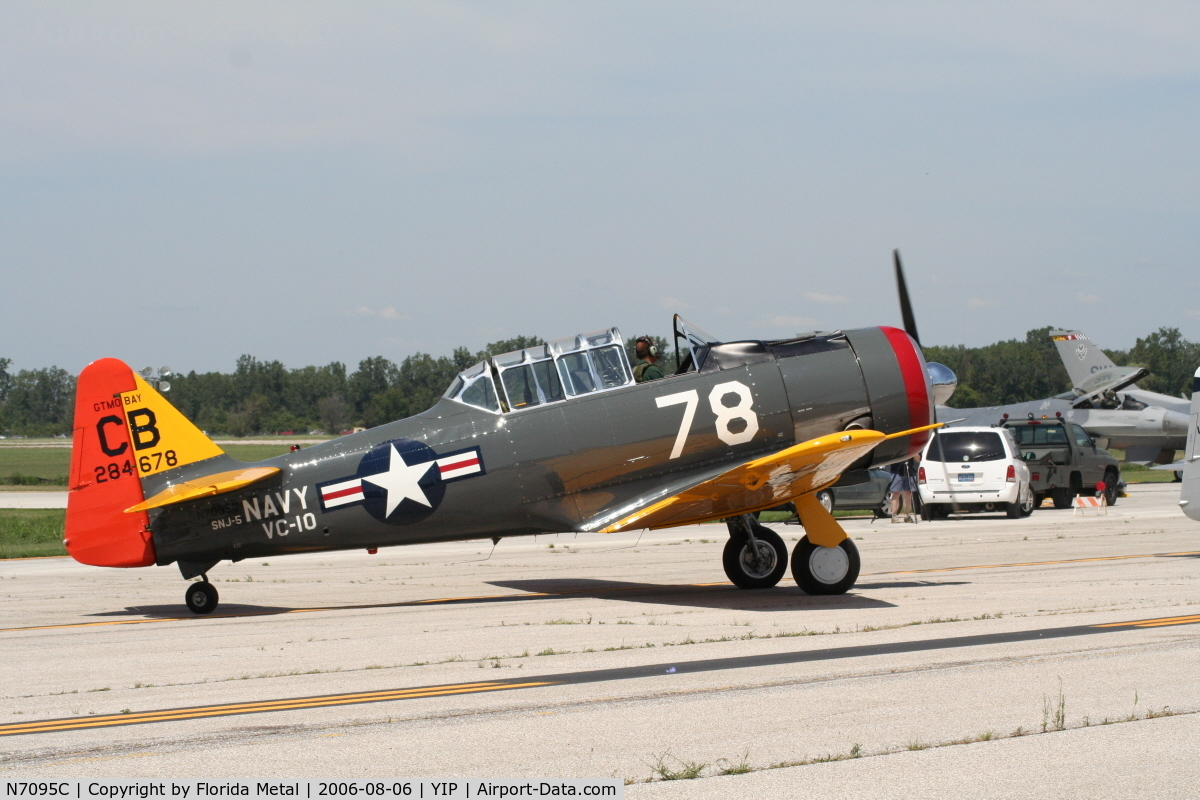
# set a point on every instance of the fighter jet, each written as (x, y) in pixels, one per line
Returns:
(553, 438)
(1099, 383)
(1130, 424)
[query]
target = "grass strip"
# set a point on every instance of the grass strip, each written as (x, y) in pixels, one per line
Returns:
(30, 532)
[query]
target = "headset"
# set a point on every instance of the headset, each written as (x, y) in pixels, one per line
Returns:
(651, 349)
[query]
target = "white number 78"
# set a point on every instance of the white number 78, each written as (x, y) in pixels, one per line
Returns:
(725, 414)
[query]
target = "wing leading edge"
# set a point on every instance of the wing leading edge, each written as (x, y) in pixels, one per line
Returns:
(205, 486)
(795, 473)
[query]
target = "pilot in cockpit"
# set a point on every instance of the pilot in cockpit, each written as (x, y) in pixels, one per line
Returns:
(647, 352)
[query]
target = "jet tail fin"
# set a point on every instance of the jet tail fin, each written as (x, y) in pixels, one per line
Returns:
(1086, 364)
(1189, 497)
(125, 433)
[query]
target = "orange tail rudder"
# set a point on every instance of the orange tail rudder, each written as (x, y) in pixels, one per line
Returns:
(104, 474)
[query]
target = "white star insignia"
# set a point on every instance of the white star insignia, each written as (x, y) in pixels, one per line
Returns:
(400, 481)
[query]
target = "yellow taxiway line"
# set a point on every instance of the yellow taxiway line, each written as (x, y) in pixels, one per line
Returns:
(1152, 623)
(1034, 563)
(228, 709)
(571, 678)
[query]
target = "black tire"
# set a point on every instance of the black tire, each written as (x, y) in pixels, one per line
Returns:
(1021, 507)
(201, 597)
(1110, 487)
(1061, 497)
(1038, 499)
(1178, 476)
(825, 498)
(928, 512)
(1029, 505)
(748, 573)
(818, 570)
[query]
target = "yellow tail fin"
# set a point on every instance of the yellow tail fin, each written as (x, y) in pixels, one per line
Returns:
(162, 437)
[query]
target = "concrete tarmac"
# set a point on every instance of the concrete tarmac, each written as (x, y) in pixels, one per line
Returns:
(33, 499)
(981, 657)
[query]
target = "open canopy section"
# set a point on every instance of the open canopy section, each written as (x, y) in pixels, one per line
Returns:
(548, 373)
(691, 344)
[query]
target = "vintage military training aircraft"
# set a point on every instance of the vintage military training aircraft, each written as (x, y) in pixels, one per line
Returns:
(554, 438)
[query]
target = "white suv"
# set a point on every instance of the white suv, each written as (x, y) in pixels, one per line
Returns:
(974, 469)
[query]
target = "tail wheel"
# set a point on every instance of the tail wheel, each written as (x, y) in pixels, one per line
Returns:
(201, 597)
(825, 570)
(758, 563)
(825, 498)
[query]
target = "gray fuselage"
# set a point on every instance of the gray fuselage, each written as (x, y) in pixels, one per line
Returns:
(459, 472)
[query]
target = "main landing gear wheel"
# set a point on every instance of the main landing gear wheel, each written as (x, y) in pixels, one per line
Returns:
(755, 556)
(201, 597)
(825, 570)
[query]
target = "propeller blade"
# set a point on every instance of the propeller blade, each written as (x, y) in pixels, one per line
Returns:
(910, 324)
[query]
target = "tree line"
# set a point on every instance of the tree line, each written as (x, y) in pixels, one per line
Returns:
(1018, 370)
(268, 397)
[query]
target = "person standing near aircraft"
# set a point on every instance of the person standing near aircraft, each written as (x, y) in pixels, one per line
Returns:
(902, 488)
(647, 353)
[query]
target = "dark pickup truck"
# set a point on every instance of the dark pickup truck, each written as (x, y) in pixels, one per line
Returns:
(1063, 460)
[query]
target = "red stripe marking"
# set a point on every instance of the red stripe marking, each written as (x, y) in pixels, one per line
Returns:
(469, 462)
(341, 493)
(912, 370)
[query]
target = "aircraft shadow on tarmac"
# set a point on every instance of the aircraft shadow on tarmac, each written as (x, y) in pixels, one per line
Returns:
(177, 610)
(781, 598)
(909, 584)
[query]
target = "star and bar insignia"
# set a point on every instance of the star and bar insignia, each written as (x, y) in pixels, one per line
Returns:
(401, 474)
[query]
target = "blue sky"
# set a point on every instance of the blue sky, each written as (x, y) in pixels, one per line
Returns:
(181, 183)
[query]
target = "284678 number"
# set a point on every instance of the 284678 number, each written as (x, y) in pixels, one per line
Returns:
(115, 470)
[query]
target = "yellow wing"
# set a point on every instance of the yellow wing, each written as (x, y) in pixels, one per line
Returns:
(792, 474)
(205, 486)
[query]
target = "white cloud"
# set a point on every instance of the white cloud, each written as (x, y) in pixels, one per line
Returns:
(831, 299)
(1084, 297)
(975, 302)
(795, 323)
(383, 313)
